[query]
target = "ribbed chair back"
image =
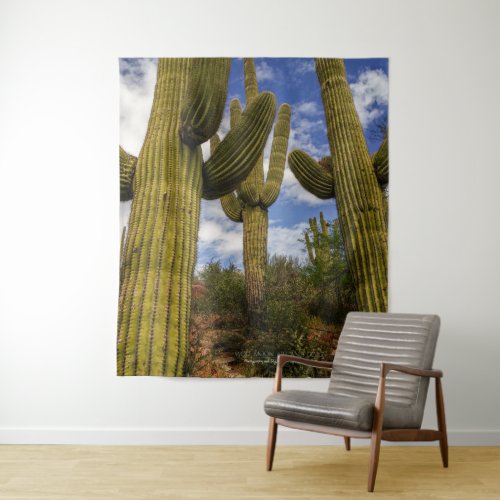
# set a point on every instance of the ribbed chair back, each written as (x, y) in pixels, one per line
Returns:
(368, 339)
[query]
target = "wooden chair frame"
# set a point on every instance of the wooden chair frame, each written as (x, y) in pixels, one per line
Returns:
(377, 433)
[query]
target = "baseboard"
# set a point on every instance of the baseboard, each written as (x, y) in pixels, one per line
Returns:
(207, 436)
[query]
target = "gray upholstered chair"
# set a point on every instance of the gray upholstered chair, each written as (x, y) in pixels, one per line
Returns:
(378, 386)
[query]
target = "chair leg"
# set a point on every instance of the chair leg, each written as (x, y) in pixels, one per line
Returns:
(443, 440)
(271, 442)
(347, 442)
(374, 455)
(378, 420)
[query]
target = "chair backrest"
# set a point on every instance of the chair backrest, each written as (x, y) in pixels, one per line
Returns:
(369, 339)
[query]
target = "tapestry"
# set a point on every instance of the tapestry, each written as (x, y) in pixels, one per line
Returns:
(253, 211)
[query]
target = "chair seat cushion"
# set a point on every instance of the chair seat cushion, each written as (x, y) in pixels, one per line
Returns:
(321, 408)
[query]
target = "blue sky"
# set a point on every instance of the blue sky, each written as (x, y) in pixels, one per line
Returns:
(293, 81)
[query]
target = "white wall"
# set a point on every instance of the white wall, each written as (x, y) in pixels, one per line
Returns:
(59, 203)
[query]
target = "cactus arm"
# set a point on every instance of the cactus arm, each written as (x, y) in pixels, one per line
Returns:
(251, 86)
(313, 224)
(235, 156)
(235, 112)
(205, 99)
(127, 170)
(324, 225)
(230, 203)
(380, 162)
(247, 191)
(250, 189)
(318, 242)
(311, 175)
(214, 142)
(309, 247)
(232, 207)
(277, 160)
(325, 238)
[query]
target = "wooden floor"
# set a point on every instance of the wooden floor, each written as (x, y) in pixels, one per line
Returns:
(238, 472)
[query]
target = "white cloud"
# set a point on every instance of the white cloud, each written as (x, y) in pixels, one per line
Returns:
(225, 123)
(205, 150)
(266, 164)
(218, 237)
(370, 91)
(306, 126)
(284, 240)
(307, 108)
(264, 72)
(305, 66)
(125, 208)
(137, 83)
(301, 137)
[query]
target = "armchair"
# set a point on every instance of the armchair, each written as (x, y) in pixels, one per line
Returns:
(378, 386)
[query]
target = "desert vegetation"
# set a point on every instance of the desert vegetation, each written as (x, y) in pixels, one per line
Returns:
(304, 305)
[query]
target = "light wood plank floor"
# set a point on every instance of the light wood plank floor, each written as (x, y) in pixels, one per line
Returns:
(238, 472)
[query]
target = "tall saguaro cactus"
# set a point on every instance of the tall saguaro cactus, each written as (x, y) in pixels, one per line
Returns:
(355, 181)
(169, 180)
(255, 195)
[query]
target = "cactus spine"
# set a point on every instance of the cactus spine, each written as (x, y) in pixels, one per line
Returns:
(255, 195)
(352, 179)
(169, 181)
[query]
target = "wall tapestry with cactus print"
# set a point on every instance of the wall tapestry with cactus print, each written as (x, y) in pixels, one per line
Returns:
(254, 210)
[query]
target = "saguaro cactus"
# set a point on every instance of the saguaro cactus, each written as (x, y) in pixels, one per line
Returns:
(255, 195)
(318, 244)
(170, 179)
(355, 181)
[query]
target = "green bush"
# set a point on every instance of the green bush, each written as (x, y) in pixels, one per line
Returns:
(285, 322)
(285, 304)
(224, 290)
(328, 279)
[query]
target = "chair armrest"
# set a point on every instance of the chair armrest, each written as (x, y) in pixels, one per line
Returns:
(285, 358)
(385, 368)
(418, 372)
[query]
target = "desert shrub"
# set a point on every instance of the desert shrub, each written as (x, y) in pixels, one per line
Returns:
(327, 277)
(224, 291)
(285, 304)
(262, 350)
(285, 322)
